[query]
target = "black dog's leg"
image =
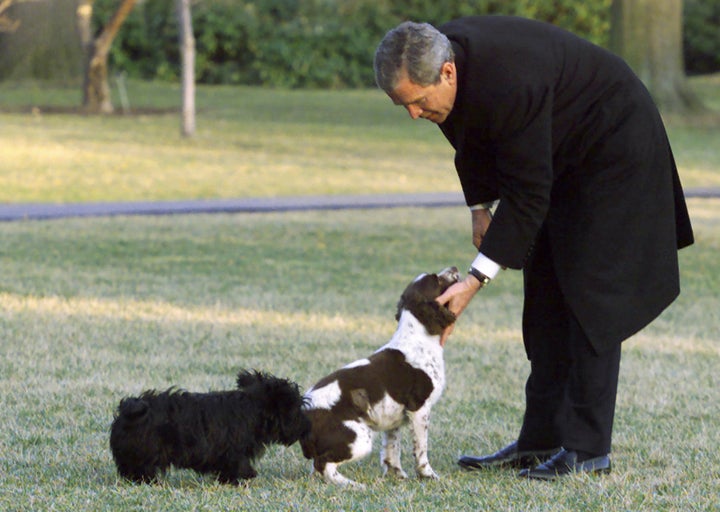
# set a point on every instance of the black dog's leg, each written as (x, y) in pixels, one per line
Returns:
(233, 471)
(138, 476)
(228, 477)
(246, 470)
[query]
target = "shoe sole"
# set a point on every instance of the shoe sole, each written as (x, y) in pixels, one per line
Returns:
(548, 477)
(520, 462)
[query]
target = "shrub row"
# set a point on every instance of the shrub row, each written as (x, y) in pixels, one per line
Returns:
(701, 36)
(330, 43)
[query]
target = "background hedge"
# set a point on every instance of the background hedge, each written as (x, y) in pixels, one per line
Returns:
(305, 43)
(702, 36)
(300, 43)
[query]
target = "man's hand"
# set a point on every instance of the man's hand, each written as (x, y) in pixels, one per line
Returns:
(457, 297)
(480, 222)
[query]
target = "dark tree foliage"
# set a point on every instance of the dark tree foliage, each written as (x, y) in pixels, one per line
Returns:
(701, 36)
(305, 43)
(308, 43)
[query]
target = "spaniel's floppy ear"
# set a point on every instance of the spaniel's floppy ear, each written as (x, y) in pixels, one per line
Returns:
(434, 316)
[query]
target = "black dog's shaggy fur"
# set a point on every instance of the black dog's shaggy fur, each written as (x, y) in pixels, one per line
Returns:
(219, 432)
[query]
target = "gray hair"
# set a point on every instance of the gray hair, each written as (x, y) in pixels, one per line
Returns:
(418, 48)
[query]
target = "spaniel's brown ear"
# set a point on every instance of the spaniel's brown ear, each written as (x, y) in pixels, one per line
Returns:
(430, 313)
(435, 317)
(407, 300)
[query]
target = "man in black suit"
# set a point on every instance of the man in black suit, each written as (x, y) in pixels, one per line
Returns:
(565, 142)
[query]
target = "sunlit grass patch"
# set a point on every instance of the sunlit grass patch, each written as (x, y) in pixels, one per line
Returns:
(251, 142)
(92, 310)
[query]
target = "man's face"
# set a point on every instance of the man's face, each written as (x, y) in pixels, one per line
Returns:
(433, 102)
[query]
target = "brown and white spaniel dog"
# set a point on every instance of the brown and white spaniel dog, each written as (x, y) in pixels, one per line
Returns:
(398, 384)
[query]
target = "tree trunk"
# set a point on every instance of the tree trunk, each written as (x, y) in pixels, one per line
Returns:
(96, 91)
(187, 53)
(7, 24)
(648, 35)
(83, 21)
(41, 46)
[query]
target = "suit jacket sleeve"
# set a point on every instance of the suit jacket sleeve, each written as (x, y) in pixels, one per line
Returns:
(524, 173)
(501, 128)
(507, 154)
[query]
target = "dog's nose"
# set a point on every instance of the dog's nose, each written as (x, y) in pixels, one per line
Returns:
(450, 274)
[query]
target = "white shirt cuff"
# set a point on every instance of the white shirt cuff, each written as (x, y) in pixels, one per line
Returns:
(483, 206)
(485, 265)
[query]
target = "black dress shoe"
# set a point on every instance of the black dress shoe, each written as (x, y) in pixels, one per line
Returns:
(507, 457)
(565, 463)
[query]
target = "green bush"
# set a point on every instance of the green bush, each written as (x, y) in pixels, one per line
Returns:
(147, 44)
(310, 43)
(325, 44)
(701, 36)
(305, 43)
(590, 19)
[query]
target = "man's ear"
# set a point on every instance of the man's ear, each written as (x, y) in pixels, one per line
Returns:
(448, 71)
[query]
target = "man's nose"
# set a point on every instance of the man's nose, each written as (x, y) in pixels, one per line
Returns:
(414, 111)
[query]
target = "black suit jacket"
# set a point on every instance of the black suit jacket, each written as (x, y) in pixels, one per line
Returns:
(566, 136)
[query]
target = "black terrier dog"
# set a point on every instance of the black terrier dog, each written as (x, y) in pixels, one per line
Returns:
(219, 432)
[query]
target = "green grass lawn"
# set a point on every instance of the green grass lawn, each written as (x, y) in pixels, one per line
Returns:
(94, 309)
(251, 142)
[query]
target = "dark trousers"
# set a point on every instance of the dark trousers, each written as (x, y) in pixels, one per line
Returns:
(570, 393)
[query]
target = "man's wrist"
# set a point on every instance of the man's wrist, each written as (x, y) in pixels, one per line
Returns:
(482, 278)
